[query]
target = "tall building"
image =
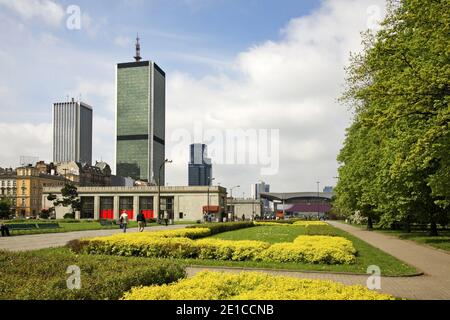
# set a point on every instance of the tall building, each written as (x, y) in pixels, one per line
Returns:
(256, 190)
(140, 119)
(72, 132)
(200, 167)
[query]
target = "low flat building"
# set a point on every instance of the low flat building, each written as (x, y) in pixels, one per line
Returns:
(250, 208)
(181, 203)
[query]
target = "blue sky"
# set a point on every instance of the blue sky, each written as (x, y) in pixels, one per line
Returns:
(230, 64)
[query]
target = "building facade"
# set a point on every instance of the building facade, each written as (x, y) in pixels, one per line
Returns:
(181, 203)
(72, 132)
(8, 186)
(84, 174)
(140, 120)
(200, 167)
(29, 186)
(248, 208)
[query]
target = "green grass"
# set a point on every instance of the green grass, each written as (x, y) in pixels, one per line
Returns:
(82, 225)
(367, 254)
(42, 275)
(442, 241)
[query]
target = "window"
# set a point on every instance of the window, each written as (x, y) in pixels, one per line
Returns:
(181, 215)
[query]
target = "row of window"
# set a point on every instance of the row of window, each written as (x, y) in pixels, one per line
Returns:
(8, 183)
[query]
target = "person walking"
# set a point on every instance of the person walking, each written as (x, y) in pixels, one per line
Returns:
(141, 221)
(4, 229)
(124, 221)
(166, 217)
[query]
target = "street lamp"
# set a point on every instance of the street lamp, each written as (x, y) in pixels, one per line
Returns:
(318, 186)
(231, 190)
(210, 181)
(159, 186)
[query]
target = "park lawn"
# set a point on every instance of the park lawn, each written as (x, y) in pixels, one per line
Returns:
(367, 254)
(439, 242)
(442, 241)
(77, 226)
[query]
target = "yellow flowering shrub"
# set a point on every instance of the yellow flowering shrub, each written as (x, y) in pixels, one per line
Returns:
(208, 285)
(229, 250)
(311, 249)
(172, 244)
(310, 223)
(158, 247)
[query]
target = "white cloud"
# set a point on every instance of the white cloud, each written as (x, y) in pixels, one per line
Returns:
(292, 85)
(44, 10)
(25, 139)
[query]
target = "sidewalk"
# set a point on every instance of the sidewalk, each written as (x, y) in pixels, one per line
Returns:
(48, 240)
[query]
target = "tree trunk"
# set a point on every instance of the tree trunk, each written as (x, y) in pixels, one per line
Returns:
(433, 228)
(369, 223)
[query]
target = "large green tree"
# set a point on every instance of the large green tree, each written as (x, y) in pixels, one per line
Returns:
(5, 208)
(399, 89)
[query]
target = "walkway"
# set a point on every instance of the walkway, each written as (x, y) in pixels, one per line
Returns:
(434, 284)
(48, 240)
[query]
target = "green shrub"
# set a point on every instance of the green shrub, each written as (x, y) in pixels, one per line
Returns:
(223, 226)
(42, 275)
(69, 216)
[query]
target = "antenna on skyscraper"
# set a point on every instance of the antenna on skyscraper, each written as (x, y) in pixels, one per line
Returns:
(138, 50)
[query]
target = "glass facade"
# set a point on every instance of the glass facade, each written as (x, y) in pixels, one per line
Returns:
(133, 127)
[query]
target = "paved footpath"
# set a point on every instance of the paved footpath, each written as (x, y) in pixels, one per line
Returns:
(48, 240)
(435, 264)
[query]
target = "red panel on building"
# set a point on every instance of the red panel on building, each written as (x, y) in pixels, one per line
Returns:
(107, 214)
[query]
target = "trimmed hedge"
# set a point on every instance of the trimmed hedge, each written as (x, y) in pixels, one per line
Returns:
(42, 275)
(224, 226)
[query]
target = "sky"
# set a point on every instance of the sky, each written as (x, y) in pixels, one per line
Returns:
(256, 80)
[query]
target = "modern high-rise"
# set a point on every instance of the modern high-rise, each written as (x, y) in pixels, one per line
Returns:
(140, 119)
(72, 132)
(256, 190)
(200, 167)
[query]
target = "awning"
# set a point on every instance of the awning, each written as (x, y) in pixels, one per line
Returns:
(212, 209)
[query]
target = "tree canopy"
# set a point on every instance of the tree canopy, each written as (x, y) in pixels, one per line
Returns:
(395, 162)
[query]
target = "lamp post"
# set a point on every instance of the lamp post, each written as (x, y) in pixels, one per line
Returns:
(318, 205)
(210, 181)
(231, 191)
(159, 187)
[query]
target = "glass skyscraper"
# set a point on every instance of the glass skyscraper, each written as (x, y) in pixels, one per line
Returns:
(200, 167)
(140, 120)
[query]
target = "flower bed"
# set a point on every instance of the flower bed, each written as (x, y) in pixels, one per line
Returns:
(310, 223)
(311, 249)
(229, 250)
(252, 286)
(172, 244)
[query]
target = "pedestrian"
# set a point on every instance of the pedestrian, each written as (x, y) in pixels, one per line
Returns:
(124, 221)
(166, 217)
(141, 221)
(4, 229)
(243, 217)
